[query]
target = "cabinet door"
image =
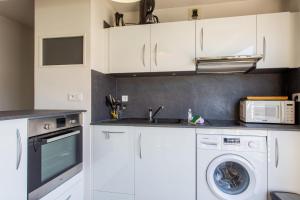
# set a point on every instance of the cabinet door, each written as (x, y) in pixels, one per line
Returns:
(274, 40)
(230, 36)
(73, 193)
(173, 46)
(113, 159)
(165, 164)
(129, 49)
(284, 163)
(13, 155)
(111, 196)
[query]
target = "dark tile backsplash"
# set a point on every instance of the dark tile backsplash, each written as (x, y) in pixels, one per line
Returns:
(102, 85)
(292, 80)
(212, 96)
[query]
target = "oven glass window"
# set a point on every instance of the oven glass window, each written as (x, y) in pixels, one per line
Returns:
(231, 178)
(58, 156)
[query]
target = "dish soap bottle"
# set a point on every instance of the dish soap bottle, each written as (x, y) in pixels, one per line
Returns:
(190, 115)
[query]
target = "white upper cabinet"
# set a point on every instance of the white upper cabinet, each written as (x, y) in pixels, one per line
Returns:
(173, 46)
(165, 164)
(275, 40)
(113, 161)
(229, 36)
(284, 163)
(129, 49)
(13, 156)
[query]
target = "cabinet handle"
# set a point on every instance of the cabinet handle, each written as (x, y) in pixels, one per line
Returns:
(144, 50)
(201, 40)
(140, 145)
(19, 149)
(276, 153)
(156, 47)
(108, 133)
(264, 48)
(69, 197)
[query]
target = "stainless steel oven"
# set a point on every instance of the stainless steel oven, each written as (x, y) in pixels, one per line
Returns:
(54, 153)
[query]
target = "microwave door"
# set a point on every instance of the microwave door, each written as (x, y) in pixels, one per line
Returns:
(269, 112)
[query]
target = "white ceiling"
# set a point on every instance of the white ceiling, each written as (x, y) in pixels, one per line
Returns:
(18, 10)
(127, 7)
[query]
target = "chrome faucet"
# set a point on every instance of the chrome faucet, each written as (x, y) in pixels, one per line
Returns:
(151, 115)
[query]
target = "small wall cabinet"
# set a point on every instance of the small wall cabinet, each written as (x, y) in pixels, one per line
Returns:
(275, 40)
(129, 49)
(231, 36)
(171, 48)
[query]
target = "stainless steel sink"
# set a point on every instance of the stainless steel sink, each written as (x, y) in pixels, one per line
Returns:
(167, 121)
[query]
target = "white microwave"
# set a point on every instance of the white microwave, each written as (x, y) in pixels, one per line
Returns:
(273, 112)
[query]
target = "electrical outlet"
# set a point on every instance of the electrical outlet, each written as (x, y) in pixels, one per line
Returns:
(124, 98)
(296, 97)
(75, 97)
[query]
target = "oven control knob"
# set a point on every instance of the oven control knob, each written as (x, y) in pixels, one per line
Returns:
(252, 145)
(47, 126)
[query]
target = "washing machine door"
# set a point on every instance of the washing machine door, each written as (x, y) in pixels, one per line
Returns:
(231, 177)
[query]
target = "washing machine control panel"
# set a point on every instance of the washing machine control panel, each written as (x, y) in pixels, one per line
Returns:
(231, 141)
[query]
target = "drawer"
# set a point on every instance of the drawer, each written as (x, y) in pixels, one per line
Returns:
(111, 196)
(73, 193)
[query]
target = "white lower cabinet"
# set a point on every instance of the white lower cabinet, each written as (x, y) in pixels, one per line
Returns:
(165, 164)
(284, 162)
(113, 161)
(143, 163)
(13, 156)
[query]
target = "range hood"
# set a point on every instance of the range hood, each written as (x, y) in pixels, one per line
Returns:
(226, 64)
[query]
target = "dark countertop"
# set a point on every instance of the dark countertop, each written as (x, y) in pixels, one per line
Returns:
(209, 124)
(31, 114)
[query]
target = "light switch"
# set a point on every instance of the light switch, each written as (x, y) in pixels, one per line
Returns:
(124, 98)
(75, 97)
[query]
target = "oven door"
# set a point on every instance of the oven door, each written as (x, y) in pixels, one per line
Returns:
(53, 159)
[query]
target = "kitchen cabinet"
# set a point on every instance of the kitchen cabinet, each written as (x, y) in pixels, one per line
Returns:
(173, 46)
(284, 165)
(275, 40)
(165, 164)
(113, 160)
(231, 36)
(13, 155)
(129, 49)
(111, 196)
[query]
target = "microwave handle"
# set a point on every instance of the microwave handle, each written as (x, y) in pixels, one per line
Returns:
(53, 139)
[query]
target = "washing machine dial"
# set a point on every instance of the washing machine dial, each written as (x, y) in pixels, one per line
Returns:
(252, 145)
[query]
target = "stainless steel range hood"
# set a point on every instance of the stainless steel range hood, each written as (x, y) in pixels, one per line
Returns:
(226, 64)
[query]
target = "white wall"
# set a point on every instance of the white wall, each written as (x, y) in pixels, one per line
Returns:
(247, 7)
(53, 84)
(16, 65)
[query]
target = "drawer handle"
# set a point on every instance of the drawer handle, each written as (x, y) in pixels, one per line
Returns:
(69, 197)
(108, 133)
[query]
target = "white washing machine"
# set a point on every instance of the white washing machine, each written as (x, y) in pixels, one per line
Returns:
(231, 167)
